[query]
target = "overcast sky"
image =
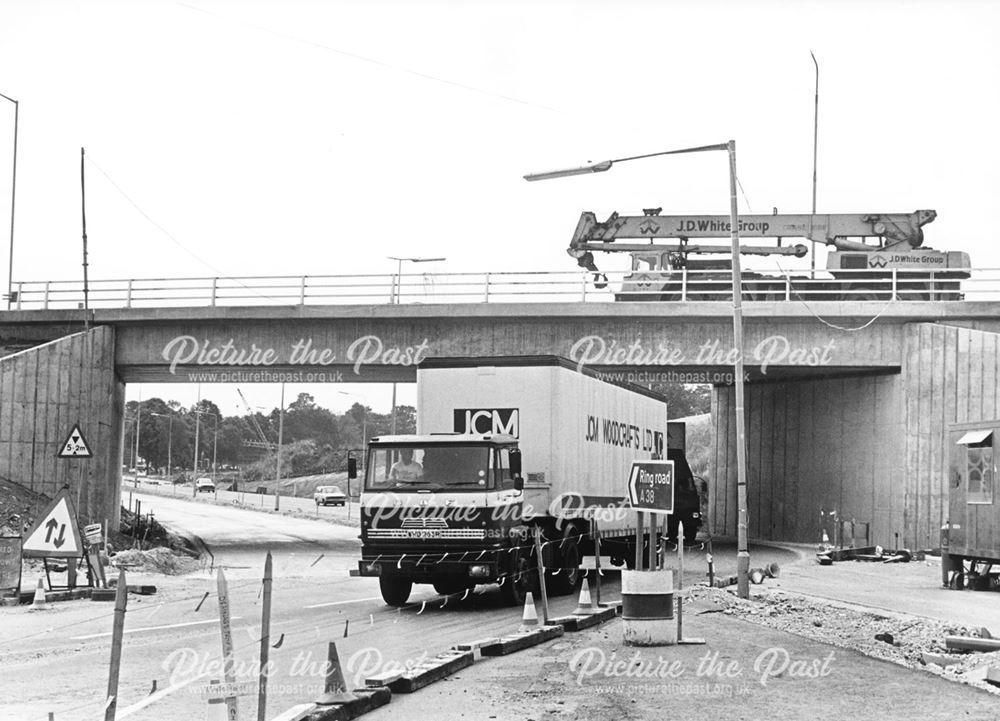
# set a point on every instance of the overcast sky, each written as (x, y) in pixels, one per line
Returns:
(253, 138)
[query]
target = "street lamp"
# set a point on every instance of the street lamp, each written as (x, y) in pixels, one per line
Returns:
(364, 416)
(396, 286)
(399, 272)
(13, 186)
(215, 440)
(742, 553)
(170, 437)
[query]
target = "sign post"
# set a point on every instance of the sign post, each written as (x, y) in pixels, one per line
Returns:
(10, 564)
(228, 660)
(647, 596)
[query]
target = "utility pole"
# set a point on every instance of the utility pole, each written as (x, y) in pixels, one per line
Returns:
(83, 211)
(281, 430)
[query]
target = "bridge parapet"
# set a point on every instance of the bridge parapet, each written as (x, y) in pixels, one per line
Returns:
(499, 287)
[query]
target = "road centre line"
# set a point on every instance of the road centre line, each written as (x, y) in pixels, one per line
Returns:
(151, 628)
(341, 603)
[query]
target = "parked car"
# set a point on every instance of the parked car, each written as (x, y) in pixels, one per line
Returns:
(329, 495)
(204, 485)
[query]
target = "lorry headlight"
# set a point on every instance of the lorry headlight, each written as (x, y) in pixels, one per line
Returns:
(479, 571)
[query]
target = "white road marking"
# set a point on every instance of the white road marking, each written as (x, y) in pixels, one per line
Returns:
(151, 628)
(341, 603)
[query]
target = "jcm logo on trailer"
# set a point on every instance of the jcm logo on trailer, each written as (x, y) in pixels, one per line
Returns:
(487, 420)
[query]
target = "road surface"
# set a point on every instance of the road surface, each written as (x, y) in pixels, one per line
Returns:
(57, 660)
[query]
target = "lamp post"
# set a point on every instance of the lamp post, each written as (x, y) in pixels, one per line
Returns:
(364, 438)
(395, 300)
(743, 553)
(215, 440)
(13, 187)
(170, 437)
(281, 433)
(364, 416)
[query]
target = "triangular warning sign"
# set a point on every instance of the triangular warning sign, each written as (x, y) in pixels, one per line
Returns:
(75, 445)
(55, 533)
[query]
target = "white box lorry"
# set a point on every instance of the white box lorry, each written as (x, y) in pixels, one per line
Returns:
(504, 445)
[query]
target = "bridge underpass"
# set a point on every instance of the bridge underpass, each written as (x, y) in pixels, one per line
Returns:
(851, 422)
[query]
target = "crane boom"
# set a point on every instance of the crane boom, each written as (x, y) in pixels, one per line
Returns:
(892, 229)
(253, 421)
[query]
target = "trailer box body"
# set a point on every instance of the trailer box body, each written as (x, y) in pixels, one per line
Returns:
(578, 434)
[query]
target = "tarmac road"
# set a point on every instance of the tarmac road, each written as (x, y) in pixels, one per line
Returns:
(57, 660)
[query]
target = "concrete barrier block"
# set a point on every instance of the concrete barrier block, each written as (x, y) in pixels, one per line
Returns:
(476, 645)
(578, 623)
(432, 670)
(103, 594)
(368, 700)
(521, 640)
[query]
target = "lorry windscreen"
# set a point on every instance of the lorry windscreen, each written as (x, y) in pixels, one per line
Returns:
(430, 467)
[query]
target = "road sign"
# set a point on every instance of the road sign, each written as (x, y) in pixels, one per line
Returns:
(651, 486)
(93, 533)
(55, 533)
(75, 445)
(226, 690)
(10, 563)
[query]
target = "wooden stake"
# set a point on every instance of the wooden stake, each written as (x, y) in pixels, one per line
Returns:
(639, 537)
(227, 643)
(265, 640)
(117, 633)
(597, 561)
(680, 557)
(541, 576)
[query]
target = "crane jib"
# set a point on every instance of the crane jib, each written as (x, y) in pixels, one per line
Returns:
(818, 228)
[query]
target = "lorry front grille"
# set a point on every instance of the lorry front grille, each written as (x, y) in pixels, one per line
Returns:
(429, 533)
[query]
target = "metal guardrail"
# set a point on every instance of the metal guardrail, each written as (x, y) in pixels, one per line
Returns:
(502, 287)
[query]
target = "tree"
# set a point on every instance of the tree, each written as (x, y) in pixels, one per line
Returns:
(685, 399)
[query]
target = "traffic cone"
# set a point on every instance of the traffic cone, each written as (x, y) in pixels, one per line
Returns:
(39, 603)
(335, 689)
(585, 606)
(529, 619)
(824, 544)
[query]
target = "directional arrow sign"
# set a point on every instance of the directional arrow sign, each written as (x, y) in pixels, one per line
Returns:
(651, 486)
(75, 445)
(55, 533)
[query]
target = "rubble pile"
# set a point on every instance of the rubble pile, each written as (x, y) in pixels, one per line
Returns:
(18, 507)
(911, 641)
(159, 560)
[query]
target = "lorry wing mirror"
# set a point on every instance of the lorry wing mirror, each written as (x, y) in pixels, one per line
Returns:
(514, 457)
(352, 468)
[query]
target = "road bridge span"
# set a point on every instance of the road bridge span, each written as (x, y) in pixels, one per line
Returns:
(847, 405)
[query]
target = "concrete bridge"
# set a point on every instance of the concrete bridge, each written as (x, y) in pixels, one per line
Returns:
(848, 404)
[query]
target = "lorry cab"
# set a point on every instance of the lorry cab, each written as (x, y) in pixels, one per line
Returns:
(441, 509)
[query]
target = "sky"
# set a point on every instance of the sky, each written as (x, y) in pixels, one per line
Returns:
(228, 138)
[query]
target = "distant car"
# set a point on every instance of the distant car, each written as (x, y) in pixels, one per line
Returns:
(204, 485)
(329, 496)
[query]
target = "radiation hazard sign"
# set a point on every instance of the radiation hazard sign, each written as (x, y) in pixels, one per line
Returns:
(55, 533)
(75, 445)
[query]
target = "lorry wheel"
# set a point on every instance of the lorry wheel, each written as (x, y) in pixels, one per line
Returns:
(566, 580)
(522, 578)
(690, 533)
(395, 590)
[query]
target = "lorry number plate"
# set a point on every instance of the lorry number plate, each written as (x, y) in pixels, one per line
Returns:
(423, 533)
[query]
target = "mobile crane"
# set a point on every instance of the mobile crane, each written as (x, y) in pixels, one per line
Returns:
(893, 265)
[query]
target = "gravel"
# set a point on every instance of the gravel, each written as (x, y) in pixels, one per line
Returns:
(855, 628)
